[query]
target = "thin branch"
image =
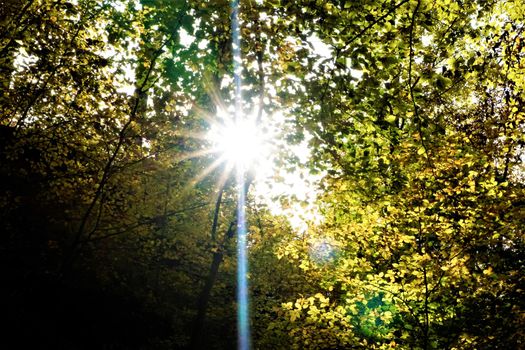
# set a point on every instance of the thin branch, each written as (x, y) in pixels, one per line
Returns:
(139, 94)
(144, 222)
(373, 23)
(412, 86)
(354, 38)
(216, 214)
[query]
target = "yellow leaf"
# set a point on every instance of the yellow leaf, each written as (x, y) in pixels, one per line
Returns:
(390, 119)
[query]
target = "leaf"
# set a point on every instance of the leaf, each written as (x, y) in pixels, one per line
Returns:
(391, 119)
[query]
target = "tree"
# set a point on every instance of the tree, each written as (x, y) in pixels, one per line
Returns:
(414, 109)
(84, 161)
(415, 114)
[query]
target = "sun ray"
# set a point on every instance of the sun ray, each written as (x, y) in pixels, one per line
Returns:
(204, 173)
(195, 154)
(191, 134)
(204, 114)
(214, 94)
(225, 175)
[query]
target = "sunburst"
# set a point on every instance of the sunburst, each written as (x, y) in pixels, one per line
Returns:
(241, 143)
(231, 143)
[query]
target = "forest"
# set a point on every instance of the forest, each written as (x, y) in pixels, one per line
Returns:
(120, 212)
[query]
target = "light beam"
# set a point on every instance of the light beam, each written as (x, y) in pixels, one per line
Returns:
(243, 319)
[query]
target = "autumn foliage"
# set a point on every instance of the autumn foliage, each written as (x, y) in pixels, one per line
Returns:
(415, 114)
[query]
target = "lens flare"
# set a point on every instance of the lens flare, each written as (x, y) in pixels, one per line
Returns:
(323, 250)
(243, 315)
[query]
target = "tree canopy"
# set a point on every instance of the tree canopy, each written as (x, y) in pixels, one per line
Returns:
(118, 221)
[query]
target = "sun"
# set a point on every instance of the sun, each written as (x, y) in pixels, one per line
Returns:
(241, 143)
